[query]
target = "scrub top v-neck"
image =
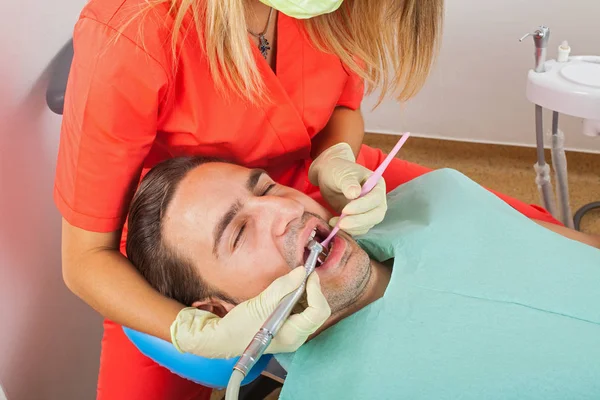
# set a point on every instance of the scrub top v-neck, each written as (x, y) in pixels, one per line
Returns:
(127, 108)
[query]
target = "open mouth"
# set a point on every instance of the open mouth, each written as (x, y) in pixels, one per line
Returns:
(319, 235)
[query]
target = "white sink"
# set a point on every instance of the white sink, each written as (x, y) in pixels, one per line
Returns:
(571, 88)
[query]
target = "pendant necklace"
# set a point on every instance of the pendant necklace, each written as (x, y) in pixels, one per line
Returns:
(263, 43)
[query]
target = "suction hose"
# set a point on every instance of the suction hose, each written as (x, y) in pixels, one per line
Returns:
(559, 162)
(582, 211)
(233, 387)
(542, 169)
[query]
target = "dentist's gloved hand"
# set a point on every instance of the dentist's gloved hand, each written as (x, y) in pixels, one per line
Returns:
(205, 334)
(340, 180)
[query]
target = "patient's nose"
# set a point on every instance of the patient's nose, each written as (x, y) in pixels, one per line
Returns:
(277, 213)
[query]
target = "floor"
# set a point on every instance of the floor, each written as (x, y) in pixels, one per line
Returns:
(507, 169)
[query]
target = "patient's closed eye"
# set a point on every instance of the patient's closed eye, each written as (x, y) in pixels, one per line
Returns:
(268, 189)
(239, 235)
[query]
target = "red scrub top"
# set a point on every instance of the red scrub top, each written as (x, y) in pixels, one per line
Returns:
(126, 108)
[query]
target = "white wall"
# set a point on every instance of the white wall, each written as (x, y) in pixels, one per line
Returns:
(49, 339)
(477, 90)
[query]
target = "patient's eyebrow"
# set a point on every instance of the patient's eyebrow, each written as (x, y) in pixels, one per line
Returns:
(223, 224)
(253, 178)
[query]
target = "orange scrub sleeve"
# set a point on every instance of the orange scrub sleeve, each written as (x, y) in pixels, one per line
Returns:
(353, 92)
(110, 121)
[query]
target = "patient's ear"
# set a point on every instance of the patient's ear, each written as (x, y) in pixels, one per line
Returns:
(214, 305)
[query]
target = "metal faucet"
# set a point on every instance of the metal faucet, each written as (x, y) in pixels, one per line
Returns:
(540, 37)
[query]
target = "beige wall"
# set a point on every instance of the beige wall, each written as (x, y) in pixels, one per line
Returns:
(477, 90)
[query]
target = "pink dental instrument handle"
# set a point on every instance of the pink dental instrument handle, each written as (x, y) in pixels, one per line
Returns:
(370, 183)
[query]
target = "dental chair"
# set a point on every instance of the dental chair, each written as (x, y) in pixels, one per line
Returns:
(266, 376)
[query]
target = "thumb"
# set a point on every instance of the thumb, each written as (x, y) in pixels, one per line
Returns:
(317, 312)
(350, 187)
(333, 221)
(284, 285)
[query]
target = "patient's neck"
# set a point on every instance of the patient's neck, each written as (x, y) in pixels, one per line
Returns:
(374, 290)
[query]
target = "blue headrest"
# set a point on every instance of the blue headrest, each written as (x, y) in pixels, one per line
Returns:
(207, 372)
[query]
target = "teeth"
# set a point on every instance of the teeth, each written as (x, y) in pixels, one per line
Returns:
(324, 254)
(312, 235)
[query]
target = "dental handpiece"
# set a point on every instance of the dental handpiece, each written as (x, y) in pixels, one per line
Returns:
(263, 337)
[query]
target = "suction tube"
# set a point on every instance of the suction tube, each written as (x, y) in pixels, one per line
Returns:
(261, 340)
(582, 211)
(559, 162)
(542, 169)
(233, 387)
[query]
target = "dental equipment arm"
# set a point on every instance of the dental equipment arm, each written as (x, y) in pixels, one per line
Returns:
(271, 327)
(541, 36)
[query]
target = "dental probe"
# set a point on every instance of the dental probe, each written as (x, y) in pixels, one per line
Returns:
(263, 337)
(370, 183)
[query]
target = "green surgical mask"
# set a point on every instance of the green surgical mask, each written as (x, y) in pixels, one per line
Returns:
(303, 9)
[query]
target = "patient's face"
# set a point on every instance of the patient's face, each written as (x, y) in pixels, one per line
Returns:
(242, 231)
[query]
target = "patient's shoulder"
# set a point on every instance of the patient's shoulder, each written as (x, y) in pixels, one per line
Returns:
(446, 176)
(441, 183)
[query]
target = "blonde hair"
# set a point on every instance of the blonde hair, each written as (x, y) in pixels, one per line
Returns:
(390, 44)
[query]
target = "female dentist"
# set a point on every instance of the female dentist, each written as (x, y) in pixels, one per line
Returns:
(269, 84)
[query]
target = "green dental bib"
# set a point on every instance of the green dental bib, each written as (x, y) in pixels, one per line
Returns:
(482, 304)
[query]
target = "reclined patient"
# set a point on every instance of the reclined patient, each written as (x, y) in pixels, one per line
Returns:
(480, 301)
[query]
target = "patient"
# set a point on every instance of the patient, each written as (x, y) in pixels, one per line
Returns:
(212, 235)
(480, 302)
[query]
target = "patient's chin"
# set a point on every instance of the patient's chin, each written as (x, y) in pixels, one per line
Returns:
(349, 284)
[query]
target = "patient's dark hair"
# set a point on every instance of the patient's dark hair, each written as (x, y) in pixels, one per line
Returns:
(170, 273)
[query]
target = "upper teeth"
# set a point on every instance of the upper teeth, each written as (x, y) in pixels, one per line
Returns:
(312, 235)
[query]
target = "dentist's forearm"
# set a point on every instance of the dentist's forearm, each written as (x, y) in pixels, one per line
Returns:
(113, 287)
(103, 278)
(345, 125)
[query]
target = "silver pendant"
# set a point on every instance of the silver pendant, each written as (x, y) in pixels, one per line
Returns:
(263, 45)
